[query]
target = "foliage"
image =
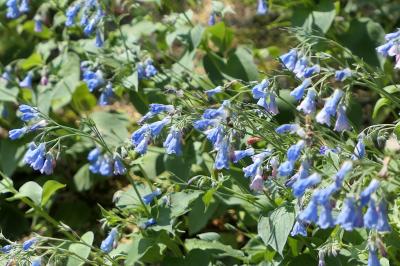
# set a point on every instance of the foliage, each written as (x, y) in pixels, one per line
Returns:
(199, 132)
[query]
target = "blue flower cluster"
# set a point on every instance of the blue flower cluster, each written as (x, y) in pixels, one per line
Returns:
(110, 241)
(31, 115)
(147, 132)
(16, 7)
(391, 47)
(104, 165)
(95, 81)
(266, 97)
(90, 18)
(146, 70)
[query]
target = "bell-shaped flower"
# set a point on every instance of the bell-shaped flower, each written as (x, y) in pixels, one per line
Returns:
(240, 154)
(298, 229)
(298, 92)
(342, 123)
(289, 59)
(308, 104)
(371, 216)
(325, 219)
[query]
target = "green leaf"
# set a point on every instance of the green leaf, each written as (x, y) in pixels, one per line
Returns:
(112, 126)
(180, 201)
(221, 36)
(82, 99)
(382, 109)
(34, 60)
(31, 190)
(49, 188)
(274, 230)
(240, 65)
(8, 94)
(196, 35)
(80, 249)
(82, 178)
(221, 249)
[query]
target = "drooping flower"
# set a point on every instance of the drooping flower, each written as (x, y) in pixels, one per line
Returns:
(150, 70)
(119, 168)
(12, 9)
(17, 133)
(157, 127)
(27, 81)
(215, 136)
(302, 173)
(48, 164)
(36, 261)
(343, 74)
(90, 27)
(323, 117)
(6, 249)
(308, 104)
(310, 213)
(298, 229)
(211, 19)
(322, 195)
(365, 195)
(71, 13)
(157, 108)
(373, 258)
(392, 35)
(384, 49)
(106, 166)
(147, 199)
(359, 150)
(24, 7)
(238, 155)
(203, 124)
(222, 158)
(301, 184)
(150, 222)
(262, 7)
(35, 156)
(383, 223)
(325, 219)
(287, 128)
(28, 112)
(107, 95)
(214, 91)
(358, 217)
(107, 244)
(331, 104)
(309, 71)
(298, 92)
(255, 168)
(29, 243)
(99, 39)
(93, 80)
(38, 24)
(346, 217)
(342, 123)
(300, 67)
(371, 216)
(347, 166)
(294, 151)
(289, 59)
(257, 184)
(172, 143)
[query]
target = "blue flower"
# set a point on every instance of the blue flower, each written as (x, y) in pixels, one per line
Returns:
(38, 25)
(6, 249)
(106, 166)
(383, 223)
(302, 173)
(91, 26)
(257, 184)
(323, 117)
(119, 168)
(287, 128)
(215, 136)
(238, 155)
(325, 218)
(27, 81)
(286, 168)
(172, 143)
(150, 222)
(310, 213)
(12, 9)
(384, 49)
(392, 35)
(157, 127)
(139, 134)
(93, 80)
(342, 123)
(298, 92)
(211, 19)
(38, 125)
(309, 71)
(17, 133)
(365, 195)
(35, 156)
(94, 155)
(108, 243)
(262, 7)
(147, 199)
(373, 258)
(29, 243)
(203, 124)
(99, 39)
(347, 166)
(222, 158)
(157, 108)
(28, 112)
(300, 67)
(107, 95)
(343, 74)
(258, 90)
(36, 262)
(371, 216)
(359, 150)
(331, 104)
(358, 217)
(308, 104)
(294, 151)
(212, 92)
(48, 164)
(300, 186)
(94, 166)
(141, 147)
(150, 70)
(289, 59)
(299, 229)
(24, 7)
(254, 168)
(322, 195)
(346, 217)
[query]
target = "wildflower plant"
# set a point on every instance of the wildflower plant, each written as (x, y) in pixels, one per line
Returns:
(218, 160)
